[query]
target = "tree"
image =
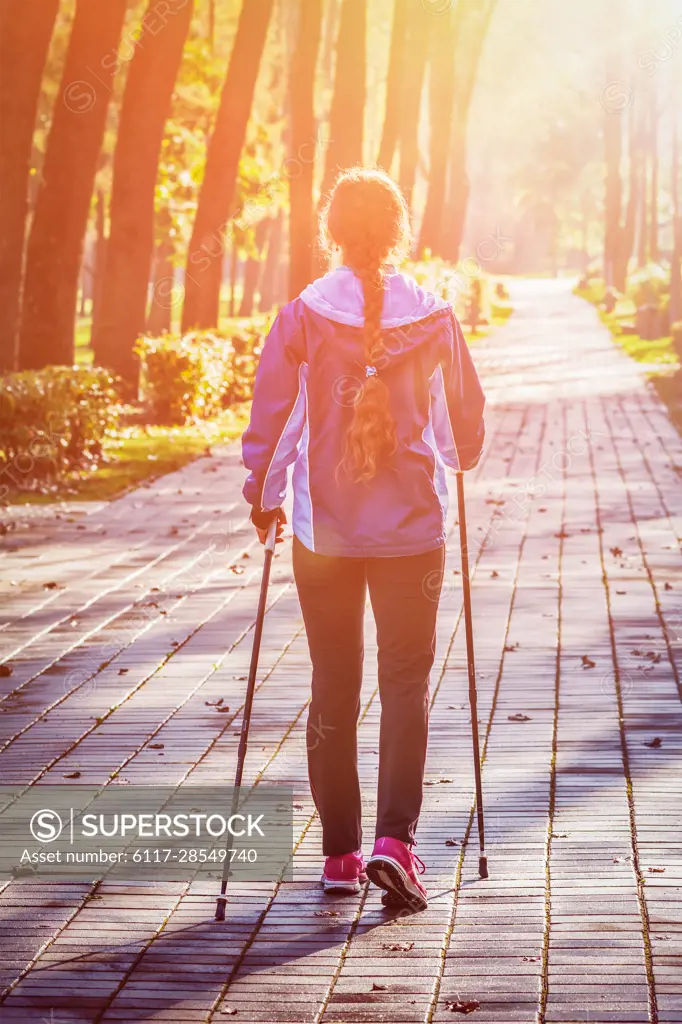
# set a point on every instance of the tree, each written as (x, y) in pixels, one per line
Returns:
(473, 23)
(393, 115)
(347, 113)
(146, 104)
(55, 244)
(676, 260)
(619, 233)
(253, 268)
(441, 101)
(204, 261)
(303, 146)
(25, 31)
(653, 183)
(419, 22)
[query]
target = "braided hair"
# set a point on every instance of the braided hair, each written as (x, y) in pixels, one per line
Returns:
(366, 215)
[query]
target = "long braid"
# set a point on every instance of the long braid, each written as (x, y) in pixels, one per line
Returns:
(368, 217)
(371, 438)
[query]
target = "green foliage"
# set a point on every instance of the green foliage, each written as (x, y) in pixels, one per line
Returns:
(649, 286)
(52, 421)
(196, 375)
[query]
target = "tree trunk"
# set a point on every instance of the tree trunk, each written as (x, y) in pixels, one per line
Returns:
(234, 273)
(347, 114)
(396, 63)
(653, 183)
(676, 260)
(331, 17)
(253, 268)
(55, 245)
(302, 150)
(419, 22)
(204, 261)
(626, 234)
(441, 102)
(269, 284)
(643, 212)
(145, 108)
(163, 290)
(25, 32)
(473, 21)
(613, 198)
(100, 260)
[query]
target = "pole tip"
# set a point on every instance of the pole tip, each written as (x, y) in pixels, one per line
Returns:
(220, 909)
(483, 867)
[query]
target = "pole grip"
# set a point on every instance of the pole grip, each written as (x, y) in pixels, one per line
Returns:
(271, 536)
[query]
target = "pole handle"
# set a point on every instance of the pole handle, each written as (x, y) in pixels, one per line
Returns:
(271, 536)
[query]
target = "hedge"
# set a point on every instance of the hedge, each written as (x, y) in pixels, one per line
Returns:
(196, 375)
(53, 421)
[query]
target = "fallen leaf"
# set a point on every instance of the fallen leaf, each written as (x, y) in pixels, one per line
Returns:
(236, 569)
(214, 703)
(559, 835)
(122, 671)
(621, 591)
(326, 913)
(223, 709)
(519, 718)
(668, 586)
(52, 586)
(378, 987)
(494, 574)
(512, 647)
(588, 662)
(72, 775)
(463, 1006)
(452, 842)
(23, 871)
(156, 746)
(229, 1010)
(530, 959)
(656, 871)
(622, 860)
(654, 743)
(398, 947)
(5, 670)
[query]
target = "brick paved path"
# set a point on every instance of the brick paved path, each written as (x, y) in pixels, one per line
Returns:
(576, 516)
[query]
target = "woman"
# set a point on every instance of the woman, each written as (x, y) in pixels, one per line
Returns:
(365, 383)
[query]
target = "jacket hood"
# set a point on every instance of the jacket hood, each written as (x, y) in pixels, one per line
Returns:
(338, 296)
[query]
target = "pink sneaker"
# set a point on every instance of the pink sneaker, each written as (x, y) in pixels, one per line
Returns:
(394, 867)
(345, 873)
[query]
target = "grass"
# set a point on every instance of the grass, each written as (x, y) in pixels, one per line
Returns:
(136, 455)
(657, 356)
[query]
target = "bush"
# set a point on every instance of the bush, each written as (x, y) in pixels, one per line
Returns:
(53, 421)
(649, 286)
(676, 335)
(196, 375)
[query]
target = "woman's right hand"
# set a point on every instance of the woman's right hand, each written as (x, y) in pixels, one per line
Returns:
(262, 520)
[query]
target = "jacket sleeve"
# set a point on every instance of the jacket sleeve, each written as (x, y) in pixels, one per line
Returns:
(269, 444)
(457, 403)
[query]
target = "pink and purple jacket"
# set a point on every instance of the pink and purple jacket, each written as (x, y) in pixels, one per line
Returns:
(311, 371)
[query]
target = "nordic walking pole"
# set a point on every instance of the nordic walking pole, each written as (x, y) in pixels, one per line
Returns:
(471, 666)
(248, 704)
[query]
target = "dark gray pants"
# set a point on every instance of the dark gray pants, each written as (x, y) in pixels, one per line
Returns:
(404, 593)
